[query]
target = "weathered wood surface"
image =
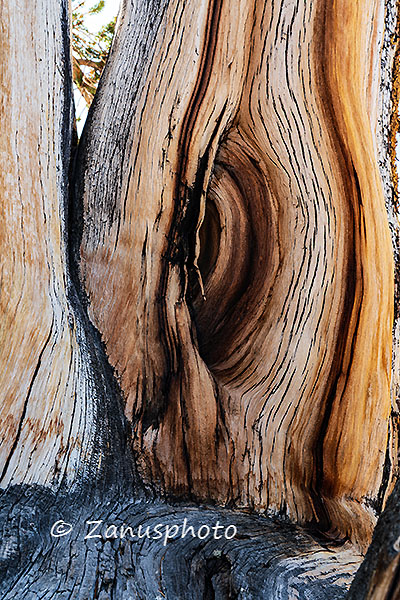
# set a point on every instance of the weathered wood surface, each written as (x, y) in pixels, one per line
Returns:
(265, 561)
(59, 413)
(210, 308)
(236, 251)
(379, 575)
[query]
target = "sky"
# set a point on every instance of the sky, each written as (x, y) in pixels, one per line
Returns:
(110, 10)
(94, 23)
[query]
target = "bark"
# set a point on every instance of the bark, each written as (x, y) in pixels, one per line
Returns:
(378, 576)
(198, 303)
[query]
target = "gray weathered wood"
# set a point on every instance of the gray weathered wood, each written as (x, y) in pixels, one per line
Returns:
(267, 560)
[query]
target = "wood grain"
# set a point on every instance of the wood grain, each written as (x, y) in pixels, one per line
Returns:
(54, 383)
(265, 561)
(202, 292)
(237, 256)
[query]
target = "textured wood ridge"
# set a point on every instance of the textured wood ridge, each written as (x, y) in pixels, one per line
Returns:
(53, 388)
(237, 256)
(379, 575)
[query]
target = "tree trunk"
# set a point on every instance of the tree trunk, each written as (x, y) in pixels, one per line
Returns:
(198, 302)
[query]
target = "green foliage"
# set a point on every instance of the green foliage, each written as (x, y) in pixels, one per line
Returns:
(89, 51)
(97, 8)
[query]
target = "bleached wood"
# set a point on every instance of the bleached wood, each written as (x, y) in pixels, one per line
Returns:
(53, 377)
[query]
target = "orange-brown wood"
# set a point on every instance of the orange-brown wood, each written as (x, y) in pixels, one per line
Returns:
(242, 275)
